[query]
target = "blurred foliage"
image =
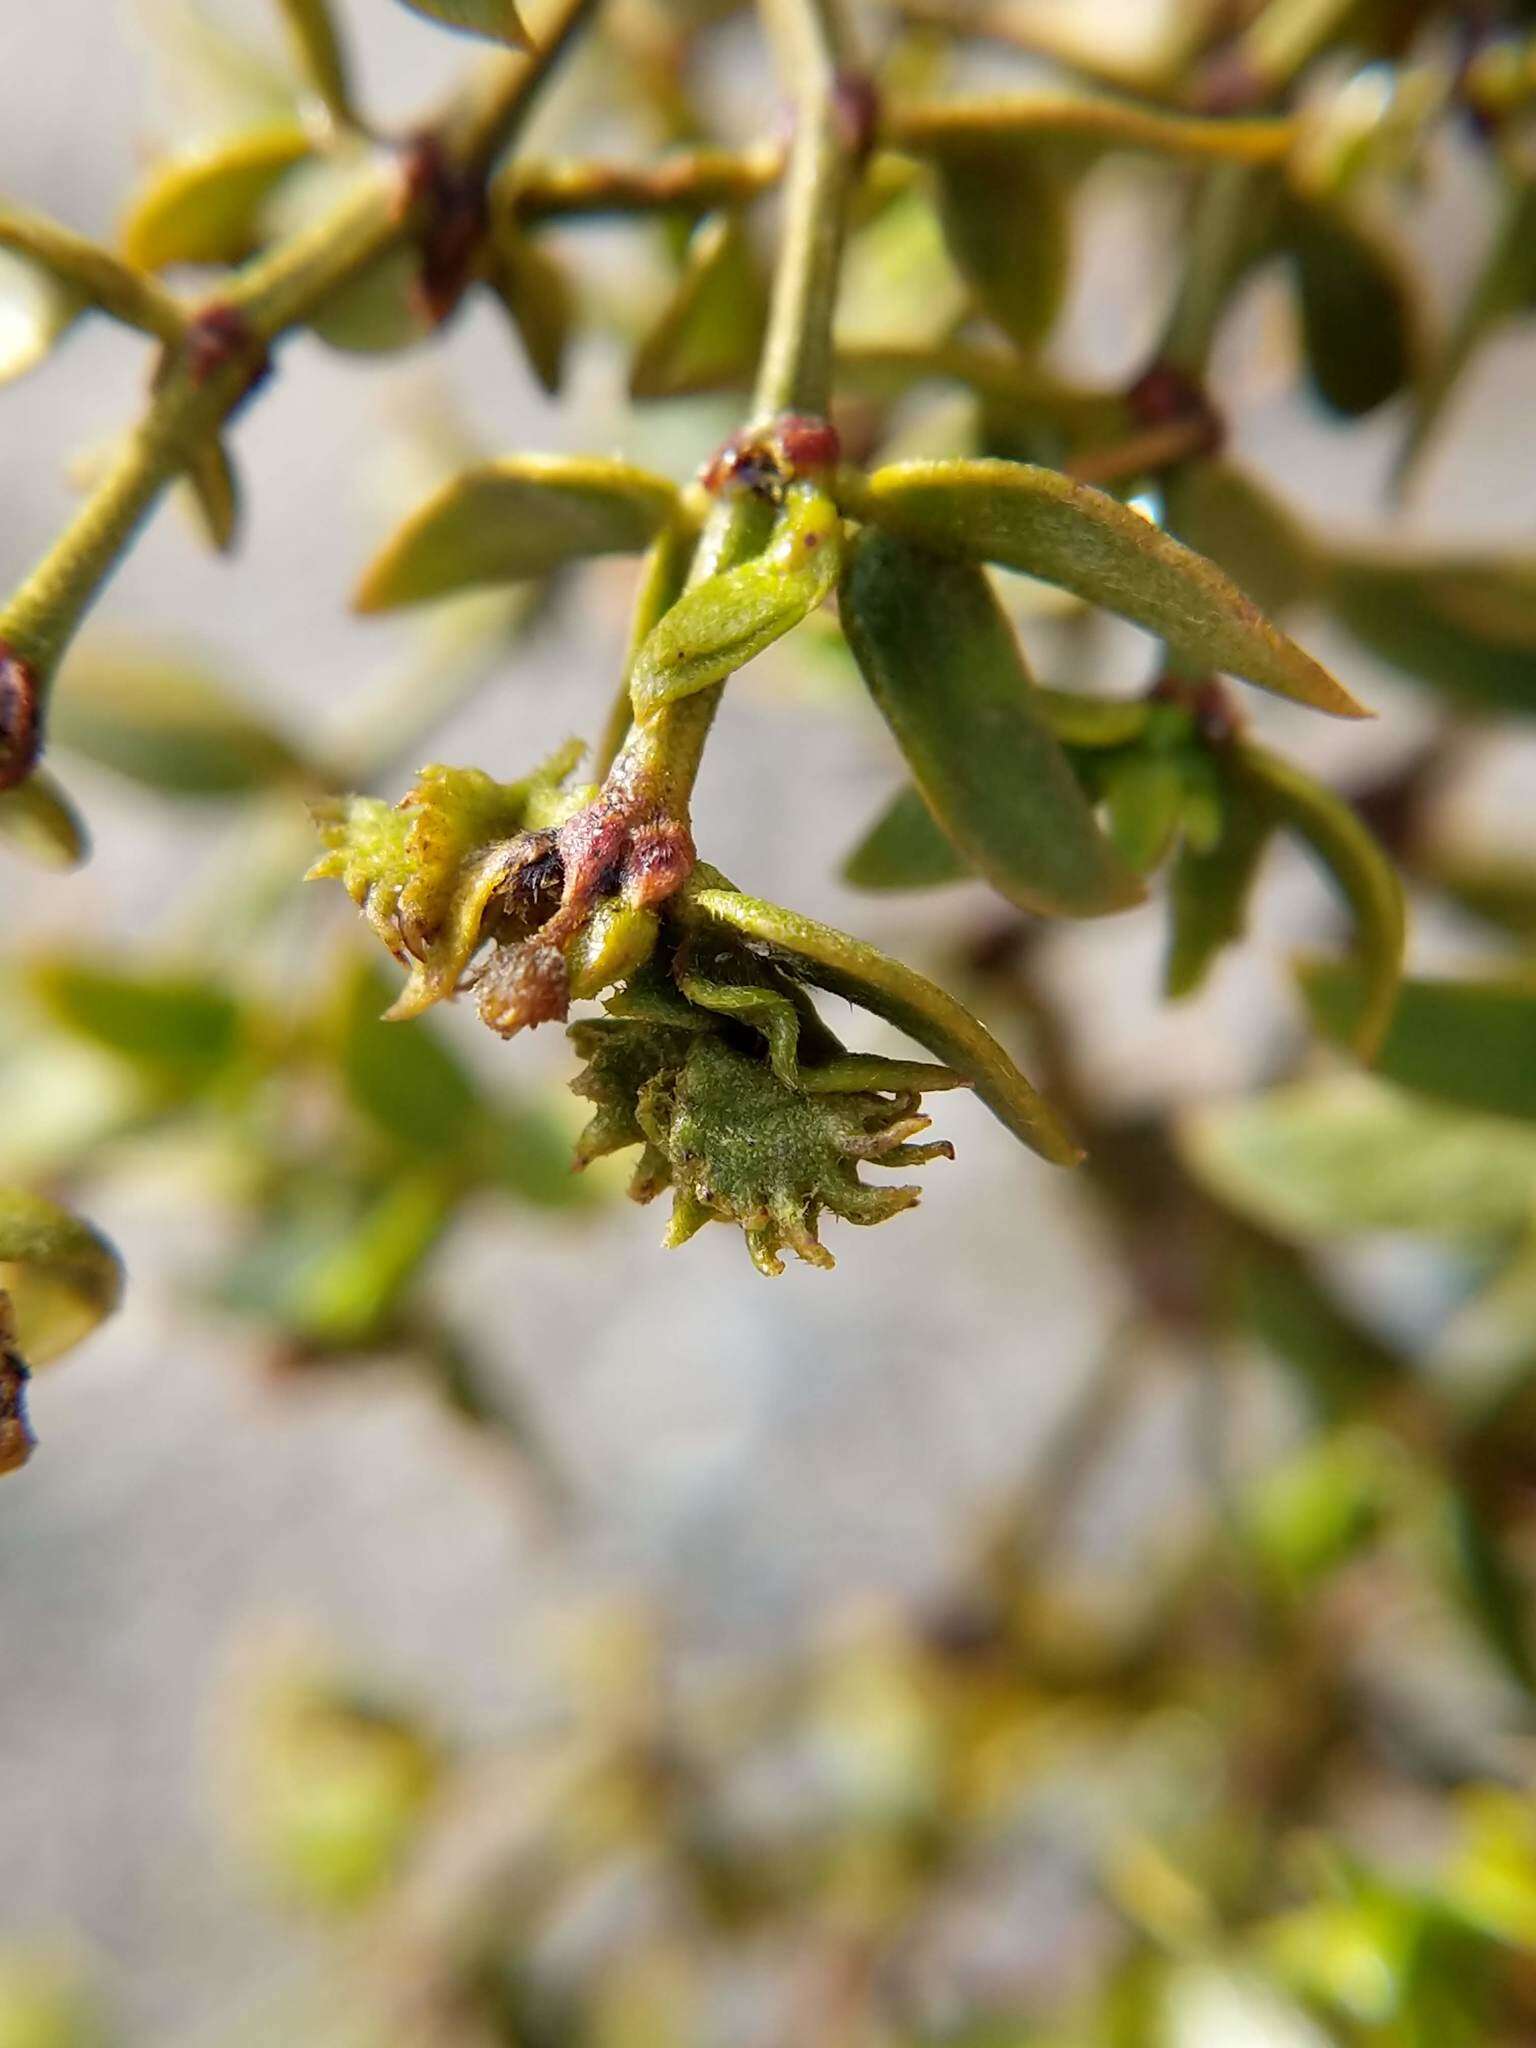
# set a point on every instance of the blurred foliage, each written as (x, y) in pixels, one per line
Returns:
(1277, 1794)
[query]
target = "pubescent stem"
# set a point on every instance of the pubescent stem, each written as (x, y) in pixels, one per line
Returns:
(224, 344)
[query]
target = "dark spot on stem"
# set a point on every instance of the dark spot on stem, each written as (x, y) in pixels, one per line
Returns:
(218, 335)
(21, 717)
(454, 209)
(17, 1442)
(1166, 396)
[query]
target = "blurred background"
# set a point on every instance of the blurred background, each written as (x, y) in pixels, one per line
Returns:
(674, 1482)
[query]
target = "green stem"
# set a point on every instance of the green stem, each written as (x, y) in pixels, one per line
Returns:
(275, 293)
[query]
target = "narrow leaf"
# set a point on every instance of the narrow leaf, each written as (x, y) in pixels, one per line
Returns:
(1467, 1042)
(727, 620)
(1364, 876)
(497, 20)
(1005, 218)
(38, 820)
(168, 724)
(943, 665)
(1209, 892)
(905, 848)
(215, 493)
(848, 967)
(710, 333)
(538, 297)
(207, 208)
(85, 271)
(61, 1275)
(177, 1029)
(1035, 520)
(505, 522)
(318, 46)
(1464, 626)
(1360, 317)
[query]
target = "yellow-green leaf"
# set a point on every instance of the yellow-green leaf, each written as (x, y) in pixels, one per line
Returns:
(36, 311)
(37, 819)
(497, 20)
(215, 492)
(905, 848)
(1209, 890)
(1035, 520)
(83, 272)
(727, 620)
(165, 722)
(848, 967)
(710, 332)
(943, 665)
(207, 208)
(61, 1275)
(318, 47)
(1365, 877)
(507, 521)
(538, 297)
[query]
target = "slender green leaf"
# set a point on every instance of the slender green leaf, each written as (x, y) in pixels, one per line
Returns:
(176, 1028)
(1209, 893)
(215, 493)
(1364, 876)
(710, 333)
(848, 967)
(38, 820)
(166, 723)
(1044, 524)
(1222, 512)
(322, 58)
(1005, 217)
(207, 208)
(507, 521)
(497, 20)
(1349, 1154)
(61, 1275)
(905, 848)
(722, 623)
(81, 272)
(1464, 626)
(1463, 1041)
(943, 665)
(1359, 310)
(537, 294)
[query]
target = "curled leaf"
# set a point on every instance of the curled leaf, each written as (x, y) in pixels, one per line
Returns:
(848, 967)
(710, 332)
(505, 522)
(943, 665)
(61, 1275)
(724, 622)
(1038, 521)
(1364, 876)
(207, 208)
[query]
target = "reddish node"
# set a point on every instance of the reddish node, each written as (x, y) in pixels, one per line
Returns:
(21, 726)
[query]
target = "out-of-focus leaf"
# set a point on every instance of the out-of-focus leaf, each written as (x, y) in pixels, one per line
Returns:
(1005, 215)
(44, 2003)
(61, 1275)
(1208, 2002)
(1209, 894)
(1315, 1511)
(1505, 284)
(1094, 722)
(943, 665)
(83, 273)
(1044, 524)
(1079, 127)
(537, 294)
(710, 332)
(166, 723)
(175, 1028)
(208, 208)
(497, 20)
(833, 960)
(318, 47)
(213, 83)
(1365, 877)
(1469, 1042)
(1494, 1593)
(504, 522)
(899, 287)
(1222, 512)
(1342, 1365)
(1350, 1154)
(38, 820)
(1500, 890)
(1359, 312)
(382, 309)
(1466, 627)
(906, 848)
(337, 1263)
(1492, 1878)
(216, 493)
(35, 311)
(1143, 797)
(720, 624)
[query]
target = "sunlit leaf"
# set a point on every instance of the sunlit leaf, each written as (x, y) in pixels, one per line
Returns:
(61, 1275)
(1044, 524)
(944, 667)
(166, 723)
(507, 521)
(710, 332)
(207, 208)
